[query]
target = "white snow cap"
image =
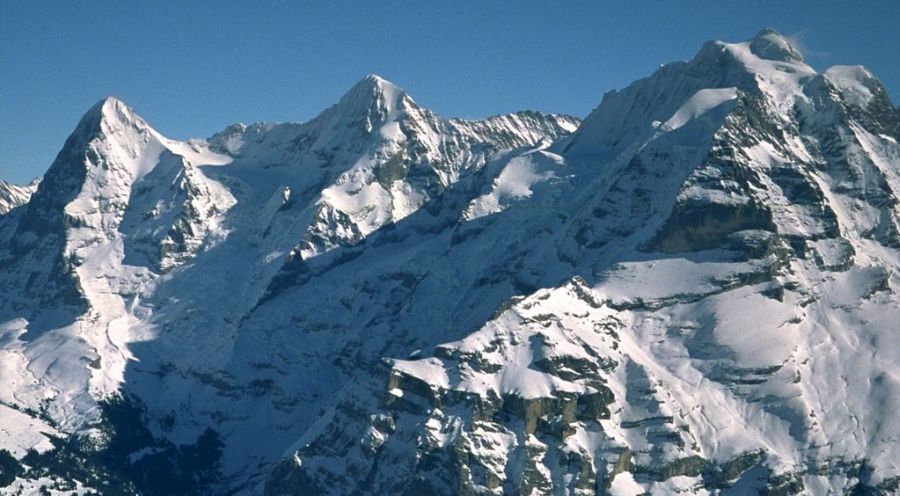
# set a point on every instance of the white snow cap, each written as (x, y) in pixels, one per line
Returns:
(107, 115)
(855, 82)
(771, 45)
(373, 88)
(111, 108)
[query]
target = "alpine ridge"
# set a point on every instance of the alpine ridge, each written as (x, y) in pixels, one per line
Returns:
(694, 291)
(12, 195)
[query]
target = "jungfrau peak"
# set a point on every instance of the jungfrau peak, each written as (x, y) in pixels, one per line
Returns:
(733, 250)
(692, 291)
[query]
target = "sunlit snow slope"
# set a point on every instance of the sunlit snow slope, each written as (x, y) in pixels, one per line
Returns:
(693, 291)
(126, 280)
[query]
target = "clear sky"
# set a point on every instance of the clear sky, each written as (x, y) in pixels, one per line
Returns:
(192, 67)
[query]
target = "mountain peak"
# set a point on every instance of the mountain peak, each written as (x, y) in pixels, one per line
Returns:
(641, 312)
(108, 140)
(771, 45)
(373, 90)
(378, 83)
(108, 103)
(108, 107)
(107, 114)
(856, 83)
(375, 79)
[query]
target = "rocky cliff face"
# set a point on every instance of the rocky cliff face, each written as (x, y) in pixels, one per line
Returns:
(135, 238)
(733, 246)
(694, 290)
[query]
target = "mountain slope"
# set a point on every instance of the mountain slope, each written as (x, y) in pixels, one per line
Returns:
(735, 234)
(375, 157)
(693, 290)
(130, 236)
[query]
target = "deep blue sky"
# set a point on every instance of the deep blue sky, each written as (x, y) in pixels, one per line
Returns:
(191, 68)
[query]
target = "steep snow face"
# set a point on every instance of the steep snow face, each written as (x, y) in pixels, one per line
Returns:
(732, 225)
(66, 282)
(11, 195)
(517, 175)
(139, 254)
(700, 103)
(856, 83)
(766, 65)
(694, 292)
(174, 212)
(374, 158)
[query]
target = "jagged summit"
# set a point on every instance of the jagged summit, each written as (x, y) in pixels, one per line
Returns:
(378, 83)
(696, 294)
(373, 93)
(110, 113)
(107, 105)
(767, 65)
(123, 134)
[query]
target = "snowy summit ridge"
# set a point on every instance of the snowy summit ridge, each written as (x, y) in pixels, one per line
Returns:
(694, 290)
(771, 45)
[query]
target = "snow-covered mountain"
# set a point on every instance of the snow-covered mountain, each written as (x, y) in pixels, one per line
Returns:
(13, 195)
(694, 290)
(131, 235)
